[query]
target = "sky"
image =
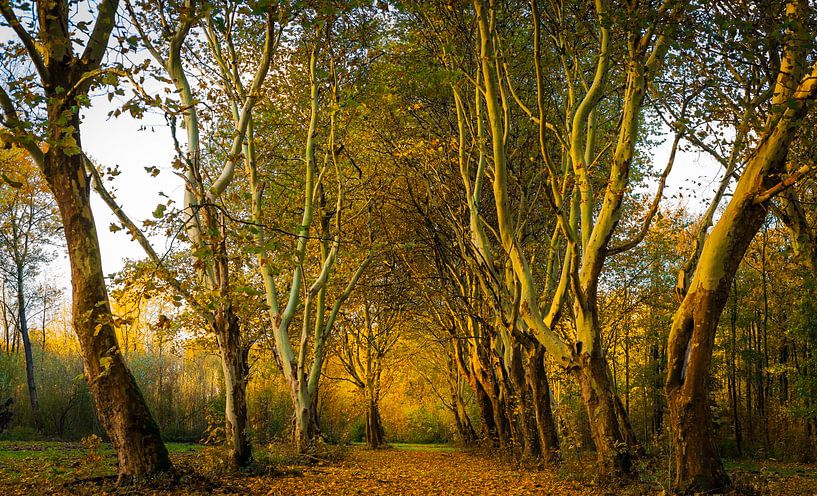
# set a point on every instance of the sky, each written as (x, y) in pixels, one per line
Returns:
(134, 145)
(123, 141)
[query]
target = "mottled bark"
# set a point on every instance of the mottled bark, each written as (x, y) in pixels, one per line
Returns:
(236, 371)
(612, 453)
(523, 409)
(697, 462)
(692, 336)
(64, 78)
(305, 427)
(122, 410)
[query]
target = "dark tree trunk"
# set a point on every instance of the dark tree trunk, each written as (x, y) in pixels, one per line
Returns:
(633, 444)
(23, 326)
(657, 421)
(486, 413)
(463, 421)
(493, 387)
(593, 376)
(733, 377)
(537, 379)
(375, 437)
(691, 342)
(524, 407)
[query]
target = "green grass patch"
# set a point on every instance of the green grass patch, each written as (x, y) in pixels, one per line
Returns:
(772, 467)
(424, 447)
(174, 448)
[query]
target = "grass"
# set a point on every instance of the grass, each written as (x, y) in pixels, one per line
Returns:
(33, 464)
(424, 447)
(49, 467)
(772, 467)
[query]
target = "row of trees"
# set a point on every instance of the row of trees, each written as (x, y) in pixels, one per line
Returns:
(476, 165)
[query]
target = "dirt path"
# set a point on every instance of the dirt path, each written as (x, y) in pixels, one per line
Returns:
(421, 472)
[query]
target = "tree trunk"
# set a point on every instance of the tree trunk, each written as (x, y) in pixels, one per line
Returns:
(733, 377)
(613, 456)
(698, 465)
(537, 379)
(601, 404)
(236, 371)
(23, 325)
(486, 413)
(626, 428)
(121, 408)
(374, 427)
(305, 428)
(657, 421)
(692, 337)
(524, 406)
(464, 425)
(692, 340)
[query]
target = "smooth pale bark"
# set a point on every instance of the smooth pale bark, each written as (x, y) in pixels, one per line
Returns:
(317, 319)
(235, 368)
(204, 224)
(584, 358)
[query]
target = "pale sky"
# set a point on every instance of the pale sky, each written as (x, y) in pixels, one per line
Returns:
(111, 141)
(123, 141)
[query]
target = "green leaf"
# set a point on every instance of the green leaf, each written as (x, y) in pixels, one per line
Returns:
(159, 212)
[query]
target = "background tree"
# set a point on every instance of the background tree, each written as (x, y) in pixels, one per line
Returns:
(27, 231)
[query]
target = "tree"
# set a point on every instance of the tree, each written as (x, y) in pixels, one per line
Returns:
(66, 78)
(332, 37)
(205, 222)
(692, 336)
(366, 340)
(27, 227)
(587, 227)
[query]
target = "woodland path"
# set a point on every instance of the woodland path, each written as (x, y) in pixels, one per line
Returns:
(422, 471)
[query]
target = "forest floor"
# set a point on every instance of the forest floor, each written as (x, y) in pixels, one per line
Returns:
(45, 468)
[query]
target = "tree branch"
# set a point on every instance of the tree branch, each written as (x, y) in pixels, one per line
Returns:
(645, 226)
(29, 44)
